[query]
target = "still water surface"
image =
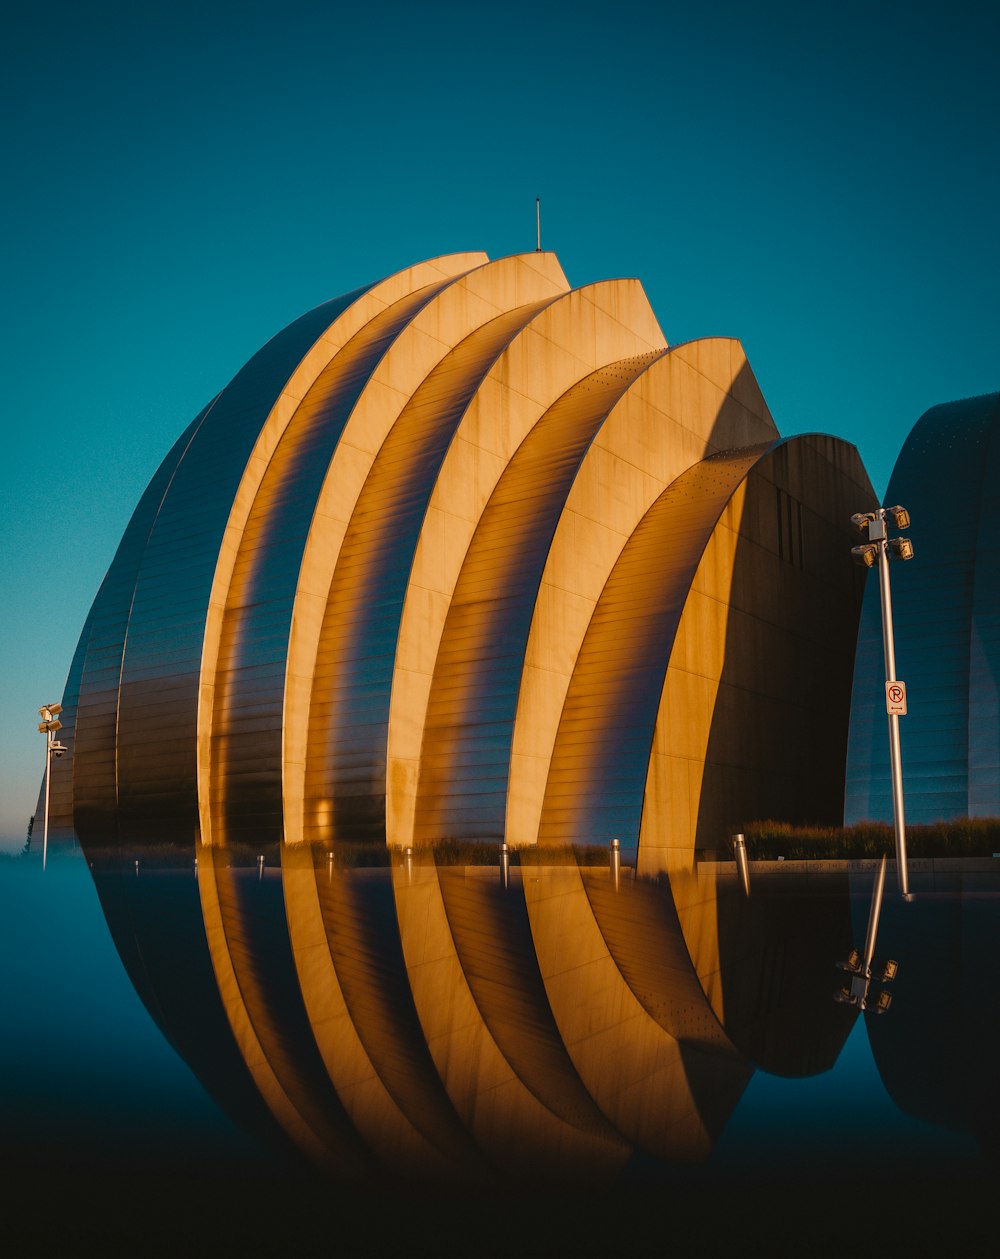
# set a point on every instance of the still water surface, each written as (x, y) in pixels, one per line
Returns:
(902, 1123)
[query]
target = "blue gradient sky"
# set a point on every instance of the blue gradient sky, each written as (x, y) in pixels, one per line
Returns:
(186, 178)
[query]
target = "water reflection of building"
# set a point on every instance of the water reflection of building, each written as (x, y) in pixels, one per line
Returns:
(469, 555)
(423, 1018)
(935, 1050)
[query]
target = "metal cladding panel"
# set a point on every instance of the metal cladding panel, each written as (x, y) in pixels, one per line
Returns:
(174, 580)
(97, 667)
(763, 619)
(473, 699)
(947, 630)
(601, 754)
(777, 737)
(61, 784)
(349, 712)
(247, 729)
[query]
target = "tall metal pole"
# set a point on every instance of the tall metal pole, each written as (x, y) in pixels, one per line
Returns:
(48, 775)
(877, 534)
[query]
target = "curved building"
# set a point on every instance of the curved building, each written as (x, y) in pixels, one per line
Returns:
(469, 557)
(947, 629)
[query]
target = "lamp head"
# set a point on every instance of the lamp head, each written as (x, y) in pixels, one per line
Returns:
(900, 517)
(902, 548)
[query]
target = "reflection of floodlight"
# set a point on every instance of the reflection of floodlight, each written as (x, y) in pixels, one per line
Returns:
(865, 555)
(853, 962)
(902, 548)
(861, 520)
(900, 517)
(881, 1002)
(843, 995)
(889, 971)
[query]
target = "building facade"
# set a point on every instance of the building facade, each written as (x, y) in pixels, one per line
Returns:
(471, 557)
(947, 630)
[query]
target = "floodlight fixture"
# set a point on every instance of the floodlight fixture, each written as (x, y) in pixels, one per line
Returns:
(865, 555)
(889, 971)
(881, 1002)
(902, 548)
(861, 520)
(900, 517)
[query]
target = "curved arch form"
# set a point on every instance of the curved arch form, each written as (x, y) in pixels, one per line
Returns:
(588, 329)
(698, 399)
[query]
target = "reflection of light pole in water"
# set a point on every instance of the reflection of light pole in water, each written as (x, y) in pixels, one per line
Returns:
(860, 966)
(876, 550)
(48, 726)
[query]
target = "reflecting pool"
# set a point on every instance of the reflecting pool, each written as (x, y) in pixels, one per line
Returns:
(539, 1048)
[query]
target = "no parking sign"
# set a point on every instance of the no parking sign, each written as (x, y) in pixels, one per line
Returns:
(895, 698)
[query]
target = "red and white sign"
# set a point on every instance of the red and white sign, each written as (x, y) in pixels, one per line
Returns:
(895, 698)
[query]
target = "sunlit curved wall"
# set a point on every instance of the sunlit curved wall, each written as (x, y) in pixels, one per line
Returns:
(469, 554)
(418, 573)
(946, 617)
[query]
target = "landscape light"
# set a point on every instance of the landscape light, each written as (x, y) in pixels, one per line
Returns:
(902, 548)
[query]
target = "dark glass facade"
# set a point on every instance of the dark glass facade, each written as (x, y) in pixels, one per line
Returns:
(946, 614)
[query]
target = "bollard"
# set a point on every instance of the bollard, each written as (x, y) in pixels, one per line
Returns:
(408, 862)
(616, 862)
(329, 867)
(742, 863)
(504, 865)
(196, 867)
(260, 866)
(137, 868)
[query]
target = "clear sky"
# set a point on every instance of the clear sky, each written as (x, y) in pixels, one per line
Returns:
(184, 179)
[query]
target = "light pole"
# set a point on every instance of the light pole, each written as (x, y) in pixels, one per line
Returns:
(48, 726)
(876, 551)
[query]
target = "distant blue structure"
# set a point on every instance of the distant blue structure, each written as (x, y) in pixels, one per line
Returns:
(946, 609)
